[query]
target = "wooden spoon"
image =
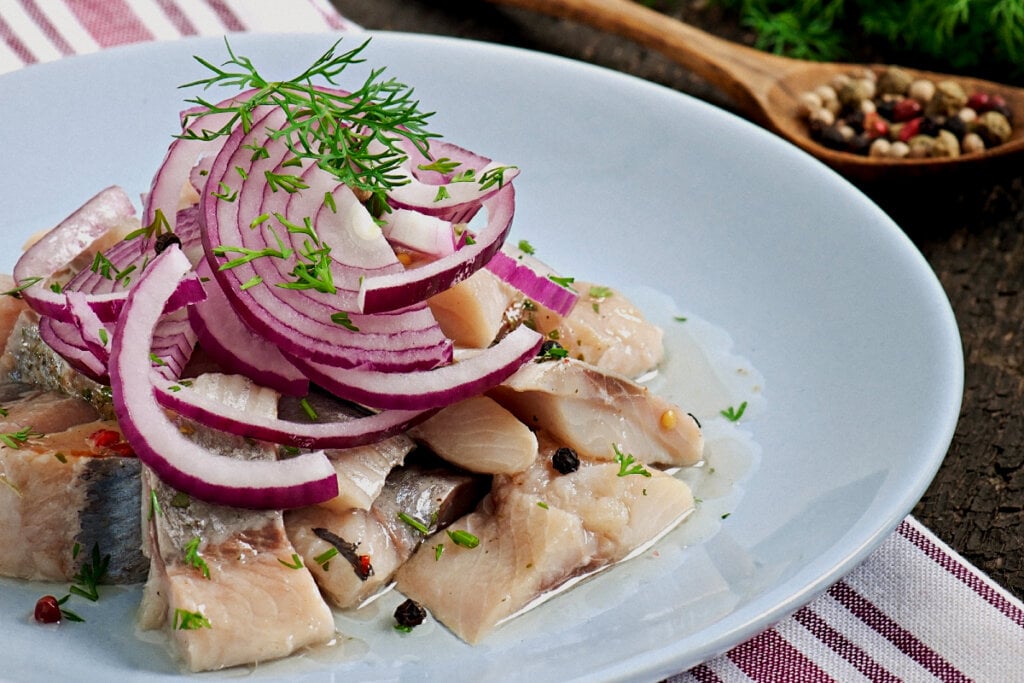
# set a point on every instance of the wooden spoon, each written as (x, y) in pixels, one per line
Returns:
(766, 87)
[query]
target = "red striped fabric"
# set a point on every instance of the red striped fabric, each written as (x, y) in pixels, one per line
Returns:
(65, 27)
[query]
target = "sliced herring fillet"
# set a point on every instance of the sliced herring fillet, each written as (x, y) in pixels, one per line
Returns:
(255, 604)
(592, 410)
(479, 435)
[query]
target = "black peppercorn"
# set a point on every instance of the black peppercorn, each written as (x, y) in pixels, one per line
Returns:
(931, 125)
(957, 126)
(165, 240)
(565, 460)
(409, 615)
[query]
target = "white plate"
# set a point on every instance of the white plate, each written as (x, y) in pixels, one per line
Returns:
(622, 182)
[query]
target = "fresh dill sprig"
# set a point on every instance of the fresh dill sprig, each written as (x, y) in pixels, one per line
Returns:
(357, 137)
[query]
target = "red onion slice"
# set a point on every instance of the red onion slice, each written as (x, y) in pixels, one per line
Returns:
(522, 274)
(58, 248)
(236, 347)
(66, 339)
(428, 389)
(336, 434)
(304, 480)
(397, 290)
(300, 321)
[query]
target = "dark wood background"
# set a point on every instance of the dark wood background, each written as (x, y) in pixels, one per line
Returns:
(971, 230)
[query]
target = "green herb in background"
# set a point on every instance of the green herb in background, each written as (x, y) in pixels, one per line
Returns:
(949, 35)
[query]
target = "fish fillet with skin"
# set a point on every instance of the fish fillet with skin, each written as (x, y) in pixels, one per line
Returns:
(593, 410)
(223, 581)
(431, 494)
(538, 530)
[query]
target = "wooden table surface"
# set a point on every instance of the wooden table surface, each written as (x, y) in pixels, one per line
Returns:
(970, 229)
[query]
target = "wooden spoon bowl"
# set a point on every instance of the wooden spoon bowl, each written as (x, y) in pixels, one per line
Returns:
(766, 88)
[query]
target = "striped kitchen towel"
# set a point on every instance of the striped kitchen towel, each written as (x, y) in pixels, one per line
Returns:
(913, 611)
(33, 31)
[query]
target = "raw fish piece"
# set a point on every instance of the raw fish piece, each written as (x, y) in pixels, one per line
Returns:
(363, 470)
(538, 531)
(432, 495)
(524, 552)
(223, 581)
(63, 489)
(479, 435)
(591, 410)
(605, 330)
(471, 313)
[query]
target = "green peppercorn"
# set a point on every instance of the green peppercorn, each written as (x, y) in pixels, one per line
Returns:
(894, 81)
(993, 127)
(949, 98)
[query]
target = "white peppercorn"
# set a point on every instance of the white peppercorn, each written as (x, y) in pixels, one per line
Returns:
(880, 148)
(899, 150)
(839, 81)
(921, 90)
(821, 118)
(808, 103)
(967, 115)
(829, 98)
(972, 143)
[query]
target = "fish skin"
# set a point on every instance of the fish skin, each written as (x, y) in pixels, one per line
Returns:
(63, 492)
(259, 608)
(27, 359)
(363, 470)
(538, 531)
(590, 409)
(433, 494)
(479, 435)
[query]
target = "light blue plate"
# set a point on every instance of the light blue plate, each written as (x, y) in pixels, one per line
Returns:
(623, 182)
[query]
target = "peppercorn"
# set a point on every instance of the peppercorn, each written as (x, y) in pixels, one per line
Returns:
(949, 98)
(972, 143)
(565, 460)
(957, 126)
(549, 348)
(931, 125)
(921, 146)
(894, 81)
(47, 610)
(946, 145)
(409, 615)
(832, 137)
(993, 127)
(165, 240)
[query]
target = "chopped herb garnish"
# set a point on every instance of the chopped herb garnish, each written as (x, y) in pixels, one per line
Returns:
(154, 505)
(308, 409)
(734, 414)
(414, 523)
(443, 165)
(157, 227)
(541, 504)
(225, 192)
(104, 336)
(562, 281)
(463, 538)
(680, 318)
(296, 562)
(194, 559)
(341, 318)
(551, 350)
(90, 574)
(185, 620)
(494, 176)
(324, 558)
(442, 193)
(628, 464)
(19, 438)
(526, 247)
(438, 551)
(284, 181)
(61, 458)
(25, 284)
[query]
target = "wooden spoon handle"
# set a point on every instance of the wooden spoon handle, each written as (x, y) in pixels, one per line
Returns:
(742, 73)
